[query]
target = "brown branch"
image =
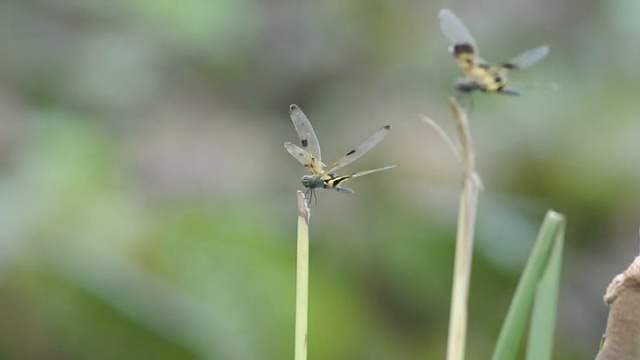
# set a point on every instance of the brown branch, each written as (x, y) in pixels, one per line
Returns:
(622, 338)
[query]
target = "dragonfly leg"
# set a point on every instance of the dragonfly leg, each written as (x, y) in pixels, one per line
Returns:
(311, 195)
(465, 99)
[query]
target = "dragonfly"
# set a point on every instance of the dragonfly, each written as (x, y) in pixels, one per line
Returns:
(323, 177)
(478, 73)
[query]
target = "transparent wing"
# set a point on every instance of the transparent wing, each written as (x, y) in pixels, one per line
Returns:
(454, 30)
(363, 173)
(305, 131)
(304, 157)
(527, 58)
(355, 154)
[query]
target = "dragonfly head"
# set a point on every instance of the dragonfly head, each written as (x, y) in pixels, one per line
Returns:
(466, 85)
(312, 181)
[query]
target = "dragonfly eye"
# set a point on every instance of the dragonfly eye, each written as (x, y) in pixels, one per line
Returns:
(308, 181)
(498, 79)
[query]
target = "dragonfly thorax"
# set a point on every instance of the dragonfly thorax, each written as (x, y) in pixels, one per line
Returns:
(491, 79)
(487, 78)
(313, 181)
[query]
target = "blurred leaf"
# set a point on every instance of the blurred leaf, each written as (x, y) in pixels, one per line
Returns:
(543, 317)
(518, 315)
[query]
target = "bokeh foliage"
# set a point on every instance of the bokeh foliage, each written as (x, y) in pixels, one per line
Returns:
(139, 138)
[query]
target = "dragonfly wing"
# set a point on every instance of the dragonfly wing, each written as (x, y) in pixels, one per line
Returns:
(455, 31)
(527, 58)
(305, 131)
(355, 154)
(367, 172)
(304, 157)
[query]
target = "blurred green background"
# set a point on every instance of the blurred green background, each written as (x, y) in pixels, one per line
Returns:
(147, 205)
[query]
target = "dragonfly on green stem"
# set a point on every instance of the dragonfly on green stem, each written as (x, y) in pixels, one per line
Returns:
(323, 177)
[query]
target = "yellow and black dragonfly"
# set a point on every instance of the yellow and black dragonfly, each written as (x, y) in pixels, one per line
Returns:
(309, 156)
(478, 73)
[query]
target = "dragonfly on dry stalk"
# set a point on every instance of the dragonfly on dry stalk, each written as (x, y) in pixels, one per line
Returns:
(478, 73)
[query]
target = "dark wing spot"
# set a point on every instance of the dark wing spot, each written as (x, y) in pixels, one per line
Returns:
(509, 66)
(305, 143)
(293, 107)
(351, 152)
(388, 127)
(463, 49)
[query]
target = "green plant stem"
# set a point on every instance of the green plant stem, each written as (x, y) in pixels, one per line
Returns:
(543, 317)
(471, 187)
(302, 279)
(519, 311)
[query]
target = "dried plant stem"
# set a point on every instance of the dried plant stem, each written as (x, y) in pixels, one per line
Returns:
(622, 337)
(471, 186)
(455, 149)
(302, 279)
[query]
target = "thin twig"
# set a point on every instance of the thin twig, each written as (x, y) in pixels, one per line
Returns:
(455, 148)
(471, 187)
(302, 279)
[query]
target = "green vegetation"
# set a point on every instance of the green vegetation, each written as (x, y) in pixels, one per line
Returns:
(146, 201)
